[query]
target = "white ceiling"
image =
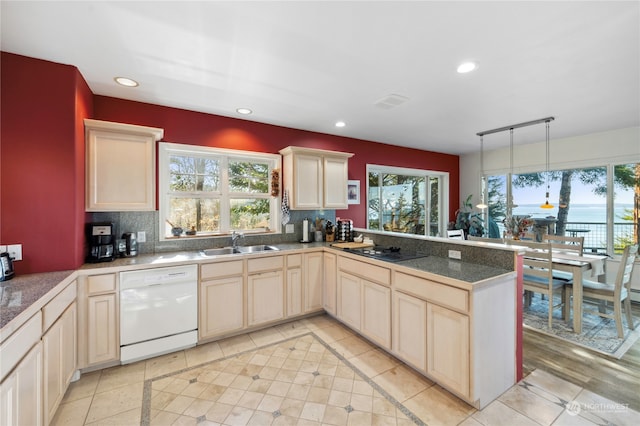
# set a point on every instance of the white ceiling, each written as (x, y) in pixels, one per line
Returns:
(307, 64)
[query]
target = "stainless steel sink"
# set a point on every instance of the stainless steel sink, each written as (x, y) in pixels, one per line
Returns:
(237, 250)
(218, 251)
(257, 248)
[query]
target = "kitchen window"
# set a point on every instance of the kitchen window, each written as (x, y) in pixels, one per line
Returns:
(408, 201)
(209, 191)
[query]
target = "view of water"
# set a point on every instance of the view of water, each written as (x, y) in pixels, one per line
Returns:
(577, 212)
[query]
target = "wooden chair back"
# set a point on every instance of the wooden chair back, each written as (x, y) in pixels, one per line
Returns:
(537, 261)
(623, 278)
(573, 245)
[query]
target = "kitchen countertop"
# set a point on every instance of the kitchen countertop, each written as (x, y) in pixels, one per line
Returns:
(28, 291)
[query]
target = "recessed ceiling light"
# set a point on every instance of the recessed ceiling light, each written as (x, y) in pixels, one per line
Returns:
(340, 124)
(467, 67)
(124, 81)
(244, 111)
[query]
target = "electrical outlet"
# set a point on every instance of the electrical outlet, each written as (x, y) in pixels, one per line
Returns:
(15, 251)
(455, 254)
(142, 237)
(3, 248)
(288, 228)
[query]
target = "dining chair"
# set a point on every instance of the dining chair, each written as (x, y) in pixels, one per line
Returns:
(571, 245)
(617, 292)
(537, 275)
(455, 234)
(564, 243)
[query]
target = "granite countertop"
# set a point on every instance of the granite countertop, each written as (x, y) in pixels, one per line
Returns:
(21, 292)
(454, 269)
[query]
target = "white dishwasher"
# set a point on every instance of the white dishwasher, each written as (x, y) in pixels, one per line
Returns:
(158, 311)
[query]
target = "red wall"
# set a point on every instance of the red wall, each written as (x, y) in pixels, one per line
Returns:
(181, 126)
(41, 172)
(42, 108)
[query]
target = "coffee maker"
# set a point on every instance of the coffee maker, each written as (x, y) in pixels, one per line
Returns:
(101, 241)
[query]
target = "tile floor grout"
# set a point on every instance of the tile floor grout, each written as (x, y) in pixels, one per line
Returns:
(118, 395)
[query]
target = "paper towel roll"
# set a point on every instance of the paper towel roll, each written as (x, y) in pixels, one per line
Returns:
(305, 230)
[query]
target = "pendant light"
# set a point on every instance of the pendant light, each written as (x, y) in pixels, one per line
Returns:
(482, 205)
(546, 204)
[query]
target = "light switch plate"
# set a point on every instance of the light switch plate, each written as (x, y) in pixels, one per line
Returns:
(142, 237)
(455, 254)
(289, 229)
(3, 248)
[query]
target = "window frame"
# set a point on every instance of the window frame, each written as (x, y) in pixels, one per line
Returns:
(443, 194)
(167, 149)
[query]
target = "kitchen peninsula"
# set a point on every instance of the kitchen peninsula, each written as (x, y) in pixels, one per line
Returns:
(453, 321)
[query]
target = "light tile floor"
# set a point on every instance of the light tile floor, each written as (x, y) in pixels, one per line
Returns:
(310, 372)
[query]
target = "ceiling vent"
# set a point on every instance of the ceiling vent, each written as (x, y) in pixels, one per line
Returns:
(390, 101)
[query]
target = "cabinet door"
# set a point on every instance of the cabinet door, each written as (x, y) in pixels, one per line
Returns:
(221, 306)
(21, 392)
(349, 299)
(265, 301)
(102, 329)
(59, 355)
(448, 348)
(410, 329)
(330, 279)
(313, 271)
(307, 179)
(335, 182)
(294, 291)
(120, 166)
(376, 313)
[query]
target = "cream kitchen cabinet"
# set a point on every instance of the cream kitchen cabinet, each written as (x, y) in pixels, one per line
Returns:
(99, 323)
(265, 283)
(448, 348)
(313, 281)
(120, 166)
(221, 298)
(21, 391)
(410, 330)
(21, 375)
(315, 178)
(294, 285)
(59, 345)
(364, 299)
(330, 282)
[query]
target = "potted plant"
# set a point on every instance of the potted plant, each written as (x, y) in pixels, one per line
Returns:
(469, 221)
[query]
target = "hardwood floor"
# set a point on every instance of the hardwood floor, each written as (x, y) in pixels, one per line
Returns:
(617, 380)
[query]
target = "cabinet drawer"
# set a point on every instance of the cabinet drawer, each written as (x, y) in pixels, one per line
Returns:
(101, 283)
(432, 291)
(265, 264)
(19, 343)
(294, 260)
(52, 310)
(370, 272)
(220, 269)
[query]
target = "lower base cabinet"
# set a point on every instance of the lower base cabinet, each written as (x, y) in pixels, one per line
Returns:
(410, 329)
(313, 281)
(376, 313)
(59, 347)
(102, 323)
(330, 283)
(266, 297)
(21, 392)
(349, 300)
(221, 307)
(448, 348)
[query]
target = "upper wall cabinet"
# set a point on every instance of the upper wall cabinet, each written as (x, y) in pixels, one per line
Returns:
(120, 166)
(315, 178)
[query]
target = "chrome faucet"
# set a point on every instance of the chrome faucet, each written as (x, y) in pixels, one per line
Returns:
(235, 236)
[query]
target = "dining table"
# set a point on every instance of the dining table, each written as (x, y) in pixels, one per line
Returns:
(578, 266)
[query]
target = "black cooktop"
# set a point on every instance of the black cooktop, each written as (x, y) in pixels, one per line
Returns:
(388, 254)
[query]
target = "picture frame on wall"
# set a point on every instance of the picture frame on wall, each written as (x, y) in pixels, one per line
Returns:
(353, 192)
